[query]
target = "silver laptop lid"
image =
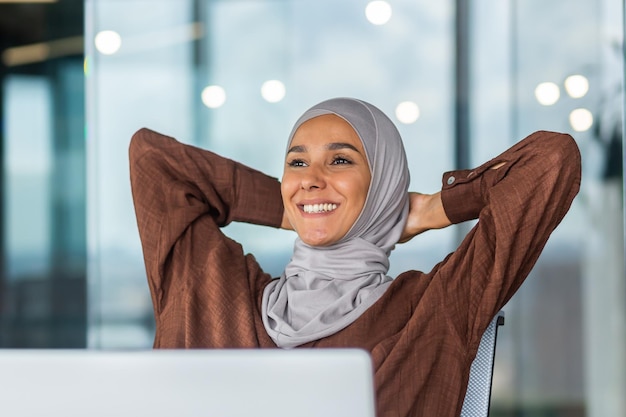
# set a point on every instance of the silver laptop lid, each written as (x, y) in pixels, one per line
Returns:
(221, 383)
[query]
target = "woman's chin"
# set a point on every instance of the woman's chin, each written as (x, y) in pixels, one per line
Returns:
(316, 243)
(317, 240)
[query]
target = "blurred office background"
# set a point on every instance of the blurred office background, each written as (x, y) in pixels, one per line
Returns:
(463, 81)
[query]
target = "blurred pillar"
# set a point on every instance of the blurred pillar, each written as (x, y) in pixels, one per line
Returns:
(604, 290)
(462, 86)
(604, 282)
(462, 97)
(3, 271)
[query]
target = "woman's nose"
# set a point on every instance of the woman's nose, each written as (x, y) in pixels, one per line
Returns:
(312, 179)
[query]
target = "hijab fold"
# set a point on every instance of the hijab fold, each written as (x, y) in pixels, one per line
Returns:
(324, 289)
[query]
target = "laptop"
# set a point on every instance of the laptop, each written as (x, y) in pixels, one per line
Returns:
(187, 383)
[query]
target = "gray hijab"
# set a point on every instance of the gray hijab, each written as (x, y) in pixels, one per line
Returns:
(324, 289)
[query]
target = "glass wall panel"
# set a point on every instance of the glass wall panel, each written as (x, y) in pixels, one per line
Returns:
(143, 77)
(42, 176)
(559, 66)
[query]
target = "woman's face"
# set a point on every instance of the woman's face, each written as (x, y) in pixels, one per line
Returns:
(326, 180)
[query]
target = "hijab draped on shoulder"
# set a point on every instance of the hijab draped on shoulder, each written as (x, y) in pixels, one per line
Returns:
(324, 289)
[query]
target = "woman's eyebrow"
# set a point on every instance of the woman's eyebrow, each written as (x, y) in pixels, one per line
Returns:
(341, 145)
(297, 148)
(331, 147)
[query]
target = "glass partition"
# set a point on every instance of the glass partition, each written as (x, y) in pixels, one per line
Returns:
(42, 176)
(559, 66)
(234, 76)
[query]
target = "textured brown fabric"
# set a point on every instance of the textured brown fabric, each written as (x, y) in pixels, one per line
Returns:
(422, 334)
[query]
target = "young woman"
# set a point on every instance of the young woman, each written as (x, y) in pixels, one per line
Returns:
(345, 193)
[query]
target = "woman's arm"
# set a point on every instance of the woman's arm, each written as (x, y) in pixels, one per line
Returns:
(227, 190)
(175, 186)
(519, 198)
(426, 212)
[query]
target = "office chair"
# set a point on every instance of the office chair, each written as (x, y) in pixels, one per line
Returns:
(478, 395)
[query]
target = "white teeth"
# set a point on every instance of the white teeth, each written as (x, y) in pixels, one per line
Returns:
(319, 208)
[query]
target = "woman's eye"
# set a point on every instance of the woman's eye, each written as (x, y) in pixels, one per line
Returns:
(296, 163)
(341, 161)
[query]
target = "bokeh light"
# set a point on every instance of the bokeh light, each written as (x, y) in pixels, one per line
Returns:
(547, 93)
(273, 91)
(407, 112)
(108, 42)
(576, 86)
(378, 12)
(213, 96)
(581, 120)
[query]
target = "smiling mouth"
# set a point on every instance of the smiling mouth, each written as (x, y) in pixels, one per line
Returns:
(319, 208)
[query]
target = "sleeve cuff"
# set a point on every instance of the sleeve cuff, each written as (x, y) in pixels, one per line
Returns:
(461, 195)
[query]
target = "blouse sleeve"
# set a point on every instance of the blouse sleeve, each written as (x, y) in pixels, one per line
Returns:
(518, 205)
(175, 185)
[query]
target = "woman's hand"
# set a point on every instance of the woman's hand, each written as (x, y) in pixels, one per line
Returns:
(425, 213)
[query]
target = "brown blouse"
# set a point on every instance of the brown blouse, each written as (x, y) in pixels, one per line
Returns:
(422, 334)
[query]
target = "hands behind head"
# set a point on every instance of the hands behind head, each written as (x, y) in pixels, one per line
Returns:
(425, 213)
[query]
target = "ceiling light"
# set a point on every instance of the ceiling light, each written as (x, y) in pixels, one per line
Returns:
(39, 52)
